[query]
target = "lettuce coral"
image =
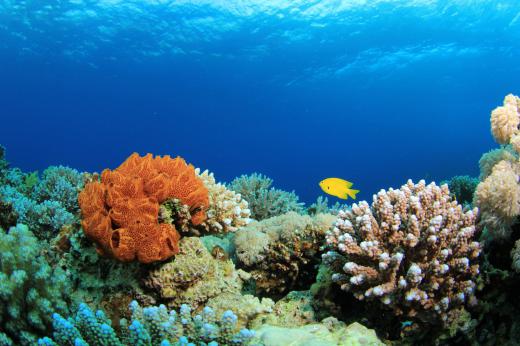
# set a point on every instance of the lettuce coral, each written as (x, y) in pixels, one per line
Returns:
(30, 290)
(120, 213)
(264, 201)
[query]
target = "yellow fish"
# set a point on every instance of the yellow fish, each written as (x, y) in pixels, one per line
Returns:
(338, 187)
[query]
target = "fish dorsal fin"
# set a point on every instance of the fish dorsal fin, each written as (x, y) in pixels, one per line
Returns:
(348, 184)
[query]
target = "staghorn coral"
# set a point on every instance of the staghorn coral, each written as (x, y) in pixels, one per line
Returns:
(413, 251)
(120, 213)
(193, 276)
(227, 210)
(29, 288)
(264, 201)
(506, 119)
(281, 252)
(153, 325)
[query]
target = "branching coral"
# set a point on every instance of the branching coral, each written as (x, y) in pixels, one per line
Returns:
(45, 205)
(264, 201)
(29, 288)
(227, 210)
(281, 252)
(194, 276)
(153, 325)
(462, 187)
(120, 213)
(413, 250)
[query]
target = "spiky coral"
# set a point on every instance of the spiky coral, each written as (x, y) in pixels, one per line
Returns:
(29, 288)
(120, 213)
(281, 252)
(413, 250)
(153, 325)
(264, 201)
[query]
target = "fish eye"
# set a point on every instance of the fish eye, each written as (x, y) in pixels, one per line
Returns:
(328, 188)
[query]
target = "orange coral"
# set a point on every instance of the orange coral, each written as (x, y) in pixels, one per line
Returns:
(120, 213)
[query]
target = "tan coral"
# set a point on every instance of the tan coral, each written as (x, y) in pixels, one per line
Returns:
(499, 193)
(505, 120)
(194, 276)
(413, 250)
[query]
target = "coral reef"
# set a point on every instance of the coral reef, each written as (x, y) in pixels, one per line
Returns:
(29, 288)
(414, 251)
(491, 158)
(153, 325)
(120, 213)
(194, 276)
(264, 201)
(321, 206)
(281, 253)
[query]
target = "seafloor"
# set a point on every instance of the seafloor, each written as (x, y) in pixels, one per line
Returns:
(156, 252)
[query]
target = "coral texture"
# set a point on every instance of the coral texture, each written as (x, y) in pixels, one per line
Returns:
(193, 276)
(413, 251)
(506, 119)
(281, 253)
(120, 213)
(462, 187)
(492, 157)
(29, 288)
(227, 210)
(264, 201)
(153, 325)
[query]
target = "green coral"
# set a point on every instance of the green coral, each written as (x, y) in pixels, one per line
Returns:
(264, 201)
(30, 290)
(462, 187)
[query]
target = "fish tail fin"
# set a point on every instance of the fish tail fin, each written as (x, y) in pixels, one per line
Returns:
(352, 193)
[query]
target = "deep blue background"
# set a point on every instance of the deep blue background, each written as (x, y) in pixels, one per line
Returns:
(375, 93)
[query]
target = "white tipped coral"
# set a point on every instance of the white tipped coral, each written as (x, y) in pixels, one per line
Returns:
(227, 210)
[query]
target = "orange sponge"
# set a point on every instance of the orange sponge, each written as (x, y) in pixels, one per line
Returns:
(120, 213)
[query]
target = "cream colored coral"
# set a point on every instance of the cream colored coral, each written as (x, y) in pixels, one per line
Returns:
(505, 120)
(414, 250)
(227, 210)
(499, 194)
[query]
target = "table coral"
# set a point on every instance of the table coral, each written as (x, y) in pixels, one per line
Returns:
(281, 253)
(413, 250)
(29, 288)
(120, 213)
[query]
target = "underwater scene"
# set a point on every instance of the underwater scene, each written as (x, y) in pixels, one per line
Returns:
(259, 172)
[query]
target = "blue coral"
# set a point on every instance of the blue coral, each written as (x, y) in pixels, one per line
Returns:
(47, 206)
(30, 290)
(153, 325)
(265, 201)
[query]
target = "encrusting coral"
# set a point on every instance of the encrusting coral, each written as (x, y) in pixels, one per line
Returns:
(120, 213)
(413, 250)
(264, 201)
(281, 253)
(30, 290)
(150, 326)
(193, 276)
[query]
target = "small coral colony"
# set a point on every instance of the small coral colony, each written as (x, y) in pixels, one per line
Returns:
(156, 252)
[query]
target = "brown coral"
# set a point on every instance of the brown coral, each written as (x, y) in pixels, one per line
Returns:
(120, 213)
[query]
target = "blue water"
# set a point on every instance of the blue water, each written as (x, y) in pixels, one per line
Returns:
(372, 91)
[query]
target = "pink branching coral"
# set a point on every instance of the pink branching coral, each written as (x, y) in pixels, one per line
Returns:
(413, 250)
